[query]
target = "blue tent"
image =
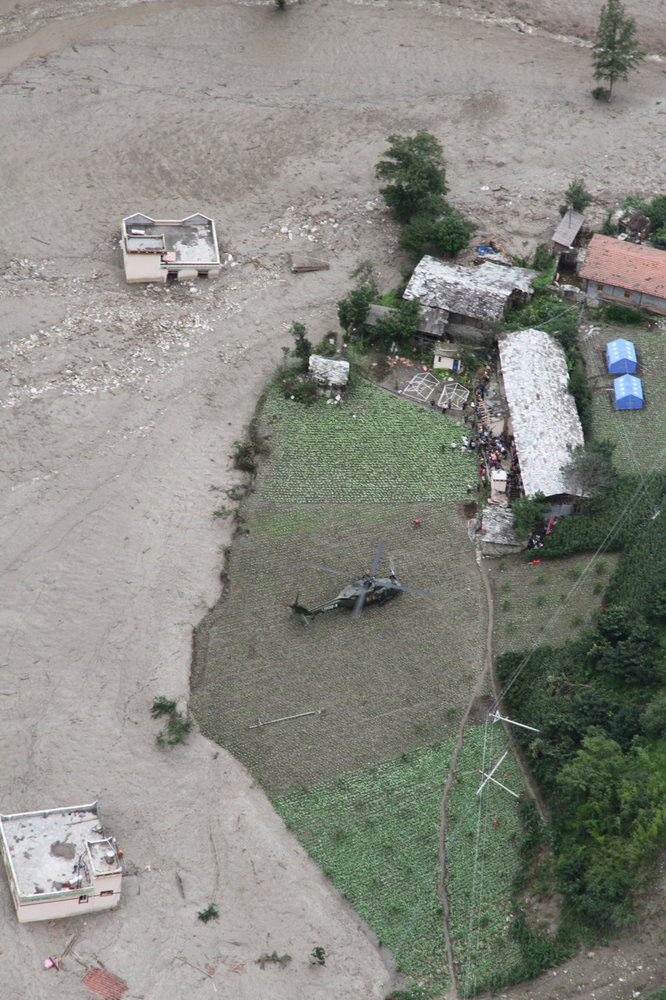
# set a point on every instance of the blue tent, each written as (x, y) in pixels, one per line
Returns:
(620, 356)
(628, 393)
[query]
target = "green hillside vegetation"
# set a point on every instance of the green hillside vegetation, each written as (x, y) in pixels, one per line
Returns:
(599, 758)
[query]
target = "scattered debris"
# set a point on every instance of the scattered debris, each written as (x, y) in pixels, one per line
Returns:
(307, 262)
(105, 984)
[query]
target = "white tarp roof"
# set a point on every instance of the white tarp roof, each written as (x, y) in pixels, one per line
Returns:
(543, 413)
(480, 292)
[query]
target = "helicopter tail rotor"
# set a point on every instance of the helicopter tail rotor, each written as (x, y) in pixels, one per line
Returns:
(300, 609)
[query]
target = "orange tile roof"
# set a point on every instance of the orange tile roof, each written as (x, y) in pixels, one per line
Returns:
(625, 265)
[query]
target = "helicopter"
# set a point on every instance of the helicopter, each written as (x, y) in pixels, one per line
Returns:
(366, 589)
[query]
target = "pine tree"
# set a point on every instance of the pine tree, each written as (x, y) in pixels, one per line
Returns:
(615, 50)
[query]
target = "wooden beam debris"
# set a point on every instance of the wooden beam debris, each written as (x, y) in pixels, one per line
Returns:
(307, 262)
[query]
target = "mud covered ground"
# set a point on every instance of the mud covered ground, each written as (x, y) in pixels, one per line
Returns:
(120, 406)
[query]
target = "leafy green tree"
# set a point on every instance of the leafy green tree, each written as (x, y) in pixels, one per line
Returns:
(399, 326)
(353, 308)
(529, 513)
(302, 346)
(415, 172)
(451, 234)
(576, 198)
(615, 50)
(656, 211)
(590, 471)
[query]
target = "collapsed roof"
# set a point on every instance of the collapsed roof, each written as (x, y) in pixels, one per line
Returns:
(482, 293)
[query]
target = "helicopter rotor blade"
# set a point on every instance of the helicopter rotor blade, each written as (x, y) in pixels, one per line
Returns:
(360, 600)
(380, 548)
(328, 569)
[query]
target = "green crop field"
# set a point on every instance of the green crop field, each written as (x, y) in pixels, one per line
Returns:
(397, 678)
(369, 709)
(375, 833)
(550, 601)
(374, 447)
(638, 434)
(483, 835)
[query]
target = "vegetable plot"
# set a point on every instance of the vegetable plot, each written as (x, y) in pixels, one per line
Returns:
(483, 835)
(373, 447)
(375, 834)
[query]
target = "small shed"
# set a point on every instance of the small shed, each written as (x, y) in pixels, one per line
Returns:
(568, 229)
(447, 357)
(621, 357)
(628, 393)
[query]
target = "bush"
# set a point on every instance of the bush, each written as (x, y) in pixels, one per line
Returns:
(244, 456)
(302, 346)
(178, 725)
(416, 235)
(451, 234)
(577, 198)
(529, 514)
(301, 388)
(624, 316)
(399, 326)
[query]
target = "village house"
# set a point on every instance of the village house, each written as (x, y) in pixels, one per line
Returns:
(469, 296)
(543, 416)
(623, 273)
(60, 863)
(156, 250)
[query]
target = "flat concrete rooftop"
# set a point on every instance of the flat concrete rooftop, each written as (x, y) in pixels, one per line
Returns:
(193, 240)
(46, 848)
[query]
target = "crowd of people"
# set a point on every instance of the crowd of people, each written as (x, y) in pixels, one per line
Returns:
(493, 450)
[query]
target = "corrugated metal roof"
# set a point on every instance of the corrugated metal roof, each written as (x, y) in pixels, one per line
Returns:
(626, 265)
(543, 413)
(568, 229)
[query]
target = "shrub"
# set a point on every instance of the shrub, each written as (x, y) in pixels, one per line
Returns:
(302, 346)
(245, 456)
(528, 514)
(624, 316)
(416, 235)
(300, 388)
(211, 913)
(451, 234)
(577, 197)
(178, 725)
